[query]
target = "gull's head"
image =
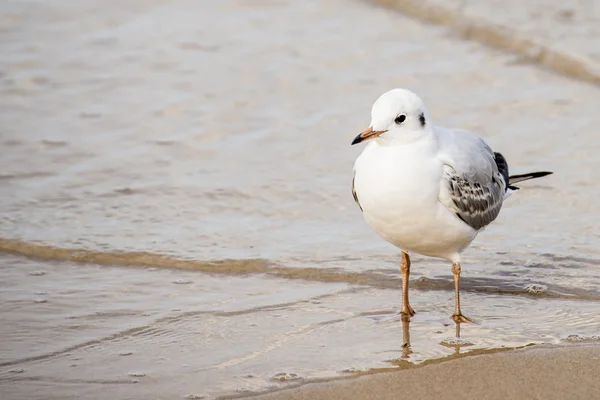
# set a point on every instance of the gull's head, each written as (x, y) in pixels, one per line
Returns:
(397, 115)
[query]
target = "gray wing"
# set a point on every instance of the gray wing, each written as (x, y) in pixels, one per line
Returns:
(472, 186)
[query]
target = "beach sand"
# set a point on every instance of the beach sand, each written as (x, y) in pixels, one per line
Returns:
(571, 372)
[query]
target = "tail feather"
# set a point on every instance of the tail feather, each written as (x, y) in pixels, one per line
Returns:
(525, 177)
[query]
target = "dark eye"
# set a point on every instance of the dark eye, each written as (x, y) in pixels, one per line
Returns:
(400, 119)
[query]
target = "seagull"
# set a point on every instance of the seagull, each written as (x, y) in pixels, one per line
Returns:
(427, 189)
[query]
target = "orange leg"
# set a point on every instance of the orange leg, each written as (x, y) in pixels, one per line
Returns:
(457, 316)
(407, 310)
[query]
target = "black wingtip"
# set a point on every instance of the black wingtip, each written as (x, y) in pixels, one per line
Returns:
(525, 177)
(540, 174)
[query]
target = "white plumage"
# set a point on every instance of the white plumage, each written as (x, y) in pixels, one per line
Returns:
(423, 188)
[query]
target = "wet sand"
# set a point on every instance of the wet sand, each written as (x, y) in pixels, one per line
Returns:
(539, 373)
(176, 217)
(105, 332)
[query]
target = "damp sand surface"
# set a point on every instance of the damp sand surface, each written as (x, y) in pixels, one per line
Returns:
(72, 330)
(176, 215)
(539, 373)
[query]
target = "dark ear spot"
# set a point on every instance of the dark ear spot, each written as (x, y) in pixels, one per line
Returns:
(422, 119)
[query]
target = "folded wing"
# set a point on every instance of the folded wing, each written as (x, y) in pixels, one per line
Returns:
(474, 177)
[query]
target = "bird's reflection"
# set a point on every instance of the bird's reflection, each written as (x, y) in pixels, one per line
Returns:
(458, 342)
(406, 346)
(406, 350)
(458, 329)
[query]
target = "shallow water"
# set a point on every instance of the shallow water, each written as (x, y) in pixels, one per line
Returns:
(213, 138)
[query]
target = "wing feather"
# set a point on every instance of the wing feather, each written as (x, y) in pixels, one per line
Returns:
(473, 185)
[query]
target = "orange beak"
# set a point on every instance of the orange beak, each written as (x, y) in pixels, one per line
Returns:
(366, 135)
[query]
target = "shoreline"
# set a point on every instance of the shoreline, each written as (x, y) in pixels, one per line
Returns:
(108, 328)
(541, 371)
(258, 266)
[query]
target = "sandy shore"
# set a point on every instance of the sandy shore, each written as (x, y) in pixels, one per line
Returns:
(535, 373)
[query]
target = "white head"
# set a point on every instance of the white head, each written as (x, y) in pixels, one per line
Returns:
(398, 116)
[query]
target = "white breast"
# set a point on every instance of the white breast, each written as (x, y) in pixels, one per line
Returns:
(398, 189)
